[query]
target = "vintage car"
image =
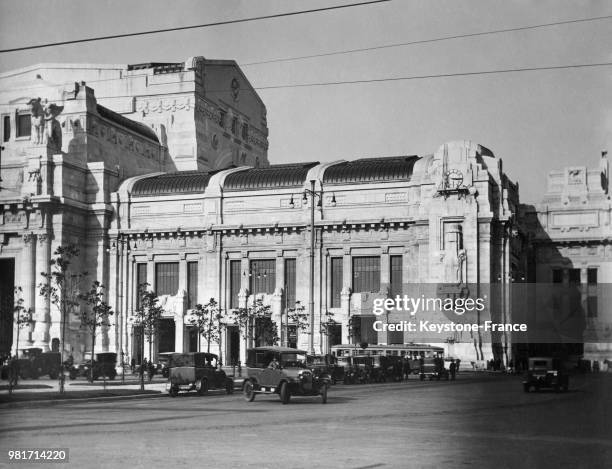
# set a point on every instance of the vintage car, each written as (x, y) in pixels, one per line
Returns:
(161, 367)
(432, 368)
(104, 366)
(34, 363)
(196, 371)
(283, 371)
(545, 372)
(326, 365)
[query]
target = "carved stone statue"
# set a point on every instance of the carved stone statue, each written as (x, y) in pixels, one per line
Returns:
(53, 129)
(37, 120)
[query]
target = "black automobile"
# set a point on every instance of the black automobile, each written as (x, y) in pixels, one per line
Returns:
(104, 366)
(545, 372)
(162, 366)
(196, 371)
(326, 365)
(35, 363)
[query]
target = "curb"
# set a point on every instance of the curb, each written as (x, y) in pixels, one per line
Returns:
(46, 402)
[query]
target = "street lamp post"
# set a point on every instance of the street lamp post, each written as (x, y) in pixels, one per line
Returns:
(313, 195)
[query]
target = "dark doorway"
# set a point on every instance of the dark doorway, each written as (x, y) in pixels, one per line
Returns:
(192, 333)
(166, 335)
(7, 302)
(233, 345)
(137, 344)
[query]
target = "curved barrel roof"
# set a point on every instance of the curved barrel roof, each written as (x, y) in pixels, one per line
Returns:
(273, 177)
(395, 168)
(182, 182)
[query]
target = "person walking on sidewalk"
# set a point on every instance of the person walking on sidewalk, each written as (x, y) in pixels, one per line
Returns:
(452, 369)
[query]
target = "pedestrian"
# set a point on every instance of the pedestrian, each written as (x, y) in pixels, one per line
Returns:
(133, 364)
(151, 370)
(458, 362)
(143, 367)
(452, 369)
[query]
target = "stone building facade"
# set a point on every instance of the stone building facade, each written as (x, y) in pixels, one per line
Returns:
(567, 241)
(71, 134)
(382, 227)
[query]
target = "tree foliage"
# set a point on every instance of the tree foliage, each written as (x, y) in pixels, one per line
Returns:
(96, 315)
(207, 321)
(62, 287)
(255, 323)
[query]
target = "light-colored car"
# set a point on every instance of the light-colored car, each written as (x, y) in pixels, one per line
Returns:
(283, 371)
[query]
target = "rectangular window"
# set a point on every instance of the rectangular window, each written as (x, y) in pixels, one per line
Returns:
(245, 131)
(141, 280)
(222, 117)
(262, 276)
(234, 125)
(591, 306)
(192, 284)
(574, 277)
(366, 274)
(24, 125)
(234, 283)
(557, 276)
(290, 282)
(395, 276)
(336, 281)
(6, 128)
(592, 276)
(166, 278)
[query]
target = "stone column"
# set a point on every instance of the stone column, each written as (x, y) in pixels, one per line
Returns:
(28, 280)
(179, 319)
(42, 314)
(345, 302)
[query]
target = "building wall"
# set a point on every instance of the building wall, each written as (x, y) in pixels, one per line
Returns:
(414, 218)
(569, 232)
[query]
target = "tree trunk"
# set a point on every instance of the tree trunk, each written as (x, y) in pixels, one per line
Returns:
(93, 347)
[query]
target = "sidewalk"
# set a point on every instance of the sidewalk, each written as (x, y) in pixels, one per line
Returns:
(46, 391)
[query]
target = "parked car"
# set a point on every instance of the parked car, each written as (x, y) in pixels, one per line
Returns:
(545, 372)
(433, 368)
(161, 367)
(35, 363)
(283, 371)
(196, 371)
(103, 366)
(326, 365)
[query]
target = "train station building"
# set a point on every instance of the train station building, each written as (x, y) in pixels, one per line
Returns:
(159, 174)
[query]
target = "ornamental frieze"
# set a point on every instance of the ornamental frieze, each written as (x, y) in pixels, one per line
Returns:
(101, 129)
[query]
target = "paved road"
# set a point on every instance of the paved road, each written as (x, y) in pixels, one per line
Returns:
(482, 421)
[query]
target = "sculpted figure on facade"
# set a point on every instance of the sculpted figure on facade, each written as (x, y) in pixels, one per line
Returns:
(454, 259)
(37, 120)
(53, 129)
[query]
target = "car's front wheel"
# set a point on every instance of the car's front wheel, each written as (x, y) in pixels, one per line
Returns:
(202, 387)
(285, 395)
(324, 394)
(248, 391)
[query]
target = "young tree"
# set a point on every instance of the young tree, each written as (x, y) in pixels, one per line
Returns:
(146, 318)
(62, 288)
(23, 318)
(255, 323)
(299, 318)
(206, 321)
(96, 316)
(327, 326)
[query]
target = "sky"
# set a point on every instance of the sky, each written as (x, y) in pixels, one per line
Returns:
(534, 121)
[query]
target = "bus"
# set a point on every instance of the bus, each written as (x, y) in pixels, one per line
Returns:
(409, 351)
